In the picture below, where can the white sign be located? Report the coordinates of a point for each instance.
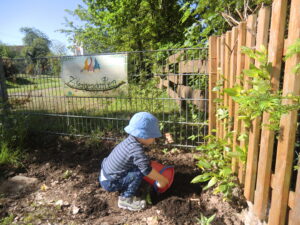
(94, 73)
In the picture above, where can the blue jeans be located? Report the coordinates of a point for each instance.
(127, 185)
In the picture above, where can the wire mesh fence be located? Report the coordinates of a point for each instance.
(172, 84)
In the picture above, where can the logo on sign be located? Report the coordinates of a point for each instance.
(95, 73)
(91, 65)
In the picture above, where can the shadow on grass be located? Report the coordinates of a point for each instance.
(20, 81)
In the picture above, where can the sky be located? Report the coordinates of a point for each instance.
(44, 15)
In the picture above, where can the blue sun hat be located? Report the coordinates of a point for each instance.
(143, 125)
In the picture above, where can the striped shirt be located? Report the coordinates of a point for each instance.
(126, 155)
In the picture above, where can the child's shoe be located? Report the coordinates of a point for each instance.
(131, 203)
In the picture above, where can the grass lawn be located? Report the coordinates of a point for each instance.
(22, 83)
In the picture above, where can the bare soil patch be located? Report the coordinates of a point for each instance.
(68, 191)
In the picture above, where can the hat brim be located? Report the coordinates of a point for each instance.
(140, 133)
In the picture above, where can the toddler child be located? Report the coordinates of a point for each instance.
(127, 164)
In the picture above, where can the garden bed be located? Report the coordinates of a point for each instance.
(67, 191)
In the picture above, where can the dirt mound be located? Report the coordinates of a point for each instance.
(93, 206)
(175, 206)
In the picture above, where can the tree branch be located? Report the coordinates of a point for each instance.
(230, 18)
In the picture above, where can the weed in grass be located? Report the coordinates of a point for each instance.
(9, 156)
(203, 220)
(7, 220)
(67, 174)
(165, 150)
(40, 215)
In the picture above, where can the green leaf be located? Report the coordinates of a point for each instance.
(222, 113)
(243, 137)
(248, 51)
(201, 178)
(186, 15)
(225, 172)
(203, 164)
(227, 149)
(211, 183)
(296, 69)
(233, 91)
(148, 198)
(210, 219)
(223, 188)
(216, 88)
(234, 154)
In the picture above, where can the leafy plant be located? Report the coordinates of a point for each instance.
(259, 97)
(292, 50)
(215, 163)
(13, 132)
(127, 25)
(203, 220)
(7, 220)
(143, 92)
(67, 174)
(165, 150)
(215, 17)
(8, 156)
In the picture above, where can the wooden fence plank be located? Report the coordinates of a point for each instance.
(294, 201)
(226, 76)
(240, 66)
(227, 65)
(250, 42)
(254, 134)
(212, 55)
(160, 85)
(185, 91)
(192, 66)
(198, 99)
(222, 69)
(174, 95)
(175, 58)
(288, 123)
(165, 83)
(218, 78)
(233, 68)
(175, 78)
(204, 68)
(276, 45)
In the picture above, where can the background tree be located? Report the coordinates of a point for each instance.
(124, 25)
(4, 50)
(37, 44)
(216, 17)
(7, 51)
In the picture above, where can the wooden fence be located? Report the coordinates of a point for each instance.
(270, 191)
(176, 80)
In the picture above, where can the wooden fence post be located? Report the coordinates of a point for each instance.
(212, 72)
(226, 76)
(288, 124)
(254, 134)
(275, 50)
(240, 66)
(218, 125)
(232, 71)
(294, 218)
(250, 42)
(222, 128)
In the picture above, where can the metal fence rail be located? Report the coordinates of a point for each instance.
(35, 89)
